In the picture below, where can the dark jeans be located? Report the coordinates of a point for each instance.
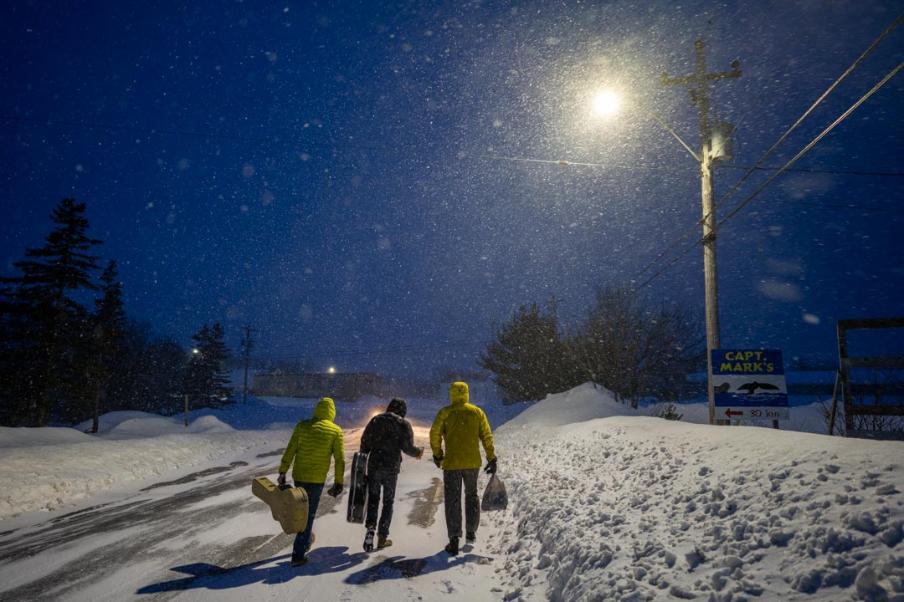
(301, 540)
(385, 481)
(452, 480)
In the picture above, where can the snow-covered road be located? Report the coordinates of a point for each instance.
(606, 503)
(202, 535)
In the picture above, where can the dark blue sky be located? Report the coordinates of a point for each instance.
(326, 172)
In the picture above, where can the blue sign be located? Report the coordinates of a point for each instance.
(749, 382)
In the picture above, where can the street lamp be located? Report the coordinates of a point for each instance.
(714, 146)
(195, 353)
(605, 103)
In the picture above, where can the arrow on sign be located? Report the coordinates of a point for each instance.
(729, 413)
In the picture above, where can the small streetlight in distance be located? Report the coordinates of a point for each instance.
(331, 370)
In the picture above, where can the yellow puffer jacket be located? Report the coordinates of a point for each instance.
(312, 444)
(461, 425)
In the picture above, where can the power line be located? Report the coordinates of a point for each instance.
(834, 172)
(685, 234)
(813, 142)
(780, 170)
(400, 350)
(817, 170)
(810, 110)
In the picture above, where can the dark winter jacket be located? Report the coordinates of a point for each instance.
(386, 436)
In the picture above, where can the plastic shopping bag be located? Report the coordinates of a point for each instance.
(494, 496)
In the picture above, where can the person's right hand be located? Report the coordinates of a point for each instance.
(438, 460)
(420, 453)
(282, 479)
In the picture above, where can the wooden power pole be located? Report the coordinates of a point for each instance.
(698, 83)
(247, 344)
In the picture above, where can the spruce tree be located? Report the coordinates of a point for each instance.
(528, 357)
(45, 327)
(106, 347)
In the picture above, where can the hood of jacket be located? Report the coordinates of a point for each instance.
(325, 410)
(397, 406)
(458, 393)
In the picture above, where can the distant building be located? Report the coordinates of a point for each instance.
(342, 385)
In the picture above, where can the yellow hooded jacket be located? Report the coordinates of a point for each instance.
(312, 444)
(461, 425)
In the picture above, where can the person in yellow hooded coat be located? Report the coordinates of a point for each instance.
(314, 442)
(461, 426)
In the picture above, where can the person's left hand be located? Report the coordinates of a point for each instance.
(420, 453)
(438, 460)
(335, 490)
(282, 479)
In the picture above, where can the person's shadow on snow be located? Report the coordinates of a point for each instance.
(399, 567)
(209, 576)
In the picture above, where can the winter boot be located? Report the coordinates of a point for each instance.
(471, 537)
(299, 560)
(383, 542)
(452, 546)
(310, 542)
(369, 541)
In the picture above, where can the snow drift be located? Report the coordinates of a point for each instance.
(632, 508)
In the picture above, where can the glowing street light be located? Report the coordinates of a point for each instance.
(605, 103)
(331, 370)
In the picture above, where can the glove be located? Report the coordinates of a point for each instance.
(335, 490)
(420, 453)
(490, 467)
(438, 460)
(282, 479)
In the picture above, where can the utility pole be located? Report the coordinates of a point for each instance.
(698, 84)
(247, 344)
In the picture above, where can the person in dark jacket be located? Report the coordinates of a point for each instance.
(386, 436)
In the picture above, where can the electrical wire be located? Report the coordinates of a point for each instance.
(735, 210)
(807, 113)
(400, 350)
(682, 237)
(813, 142)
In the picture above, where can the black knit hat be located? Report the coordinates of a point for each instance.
(397, 406)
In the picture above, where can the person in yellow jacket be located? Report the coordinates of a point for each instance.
(312, 444)
(460, 426)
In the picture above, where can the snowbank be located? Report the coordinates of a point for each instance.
(807, 418)
(48, 435)
(43, 469)
(580, 404)
(632, 508)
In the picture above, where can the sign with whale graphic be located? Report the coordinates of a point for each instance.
(749, 384)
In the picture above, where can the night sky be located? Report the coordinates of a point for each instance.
(329, 173)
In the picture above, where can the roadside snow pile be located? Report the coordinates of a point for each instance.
(110, 420)
(636, 508)
(807, 418)
(209, 425)
(47, 435)
(582, 403)
(69, 465)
